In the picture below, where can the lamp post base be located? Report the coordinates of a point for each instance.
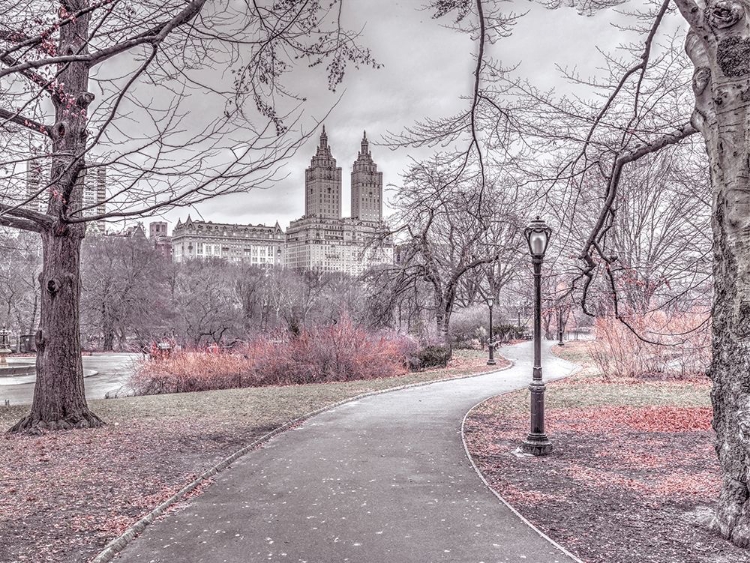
(537, 444)
(491, 362)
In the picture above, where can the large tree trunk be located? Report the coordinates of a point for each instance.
(443, 320)
(718, 46)
(59, 400)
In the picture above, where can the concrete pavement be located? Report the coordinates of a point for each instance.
(382, 479)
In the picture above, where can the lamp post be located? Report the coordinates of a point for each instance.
(537, 235)
(4, 344)
(491, 346)
(560, 326)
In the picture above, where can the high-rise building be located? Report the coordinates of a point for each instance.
(323, 183)
(35, 197)
(35, 181)
(336, 245)
(322, 239)
(94, 197)
(94, 181)
(367, 186)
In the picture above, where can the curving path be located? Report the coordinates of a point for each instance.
(104, 372)
(383, 479)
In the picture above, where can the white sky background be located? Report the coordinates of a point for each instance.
(426, 69)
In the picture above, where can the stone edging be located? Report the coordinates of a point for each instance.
(118, 544)
(576, 369)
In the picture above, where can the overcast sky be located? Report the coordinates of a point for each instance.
(426, 69)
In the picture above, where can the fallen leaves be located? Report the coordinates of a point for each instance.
(632, 461)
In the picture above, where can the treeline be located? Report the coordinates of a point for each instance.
(132, 295)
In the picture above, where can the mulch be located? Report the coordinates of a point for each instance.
(623, 484)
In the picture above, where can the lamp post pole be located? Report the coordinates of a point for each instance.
(491, 346)
(560, 327)
(537, 443)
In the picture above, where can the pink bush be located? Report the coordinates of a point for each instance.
(340, 352)
(682, 349)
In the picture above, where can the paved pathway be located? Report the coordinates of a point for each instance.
(112, 371)
(380, 480)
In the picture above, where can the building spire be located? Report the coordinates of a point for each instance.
(365, 149)
(323, 138)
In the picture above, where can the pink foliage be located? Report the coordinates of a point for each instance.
(340, 352)
(680, 345)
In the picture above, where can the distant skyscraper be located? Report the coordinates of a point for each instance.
(35, 181)
(322, 239)
(95, 193)
(323, 183)
(367, 186)
(37, 176)
(93, 178)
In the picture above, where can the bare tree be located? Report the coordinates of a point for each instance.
(19, 285)
(157, 145)
(123, 291)
(205, 303)
(637, 111)
(450, 229)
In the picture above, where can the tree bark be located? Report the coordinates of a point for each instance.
(718, 45)
(59, 400)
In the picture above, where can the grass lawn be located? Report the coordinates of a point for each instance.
(633, 472)
(65, 495)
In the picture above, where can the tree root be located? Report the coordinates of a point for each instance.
(33, 425)
(732, 517)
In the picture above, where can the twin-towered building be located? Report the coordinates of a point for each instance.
(321, 239)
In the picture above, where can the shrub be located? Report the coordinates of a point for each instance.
(469, 325)
(507, 332)
(340, 352)
(434, 356)
(683, 349)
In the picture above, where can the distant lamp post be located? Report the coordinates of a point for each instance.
(536, 443)
(491, 345)
(560, 327)
(4, 344)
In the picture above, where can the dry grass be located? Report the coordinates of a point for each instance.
(321, 354)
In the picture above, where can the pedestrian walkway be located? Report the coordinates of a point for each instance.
(380, 480)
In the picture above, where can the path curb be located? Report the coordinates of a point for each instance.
(118, 544)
